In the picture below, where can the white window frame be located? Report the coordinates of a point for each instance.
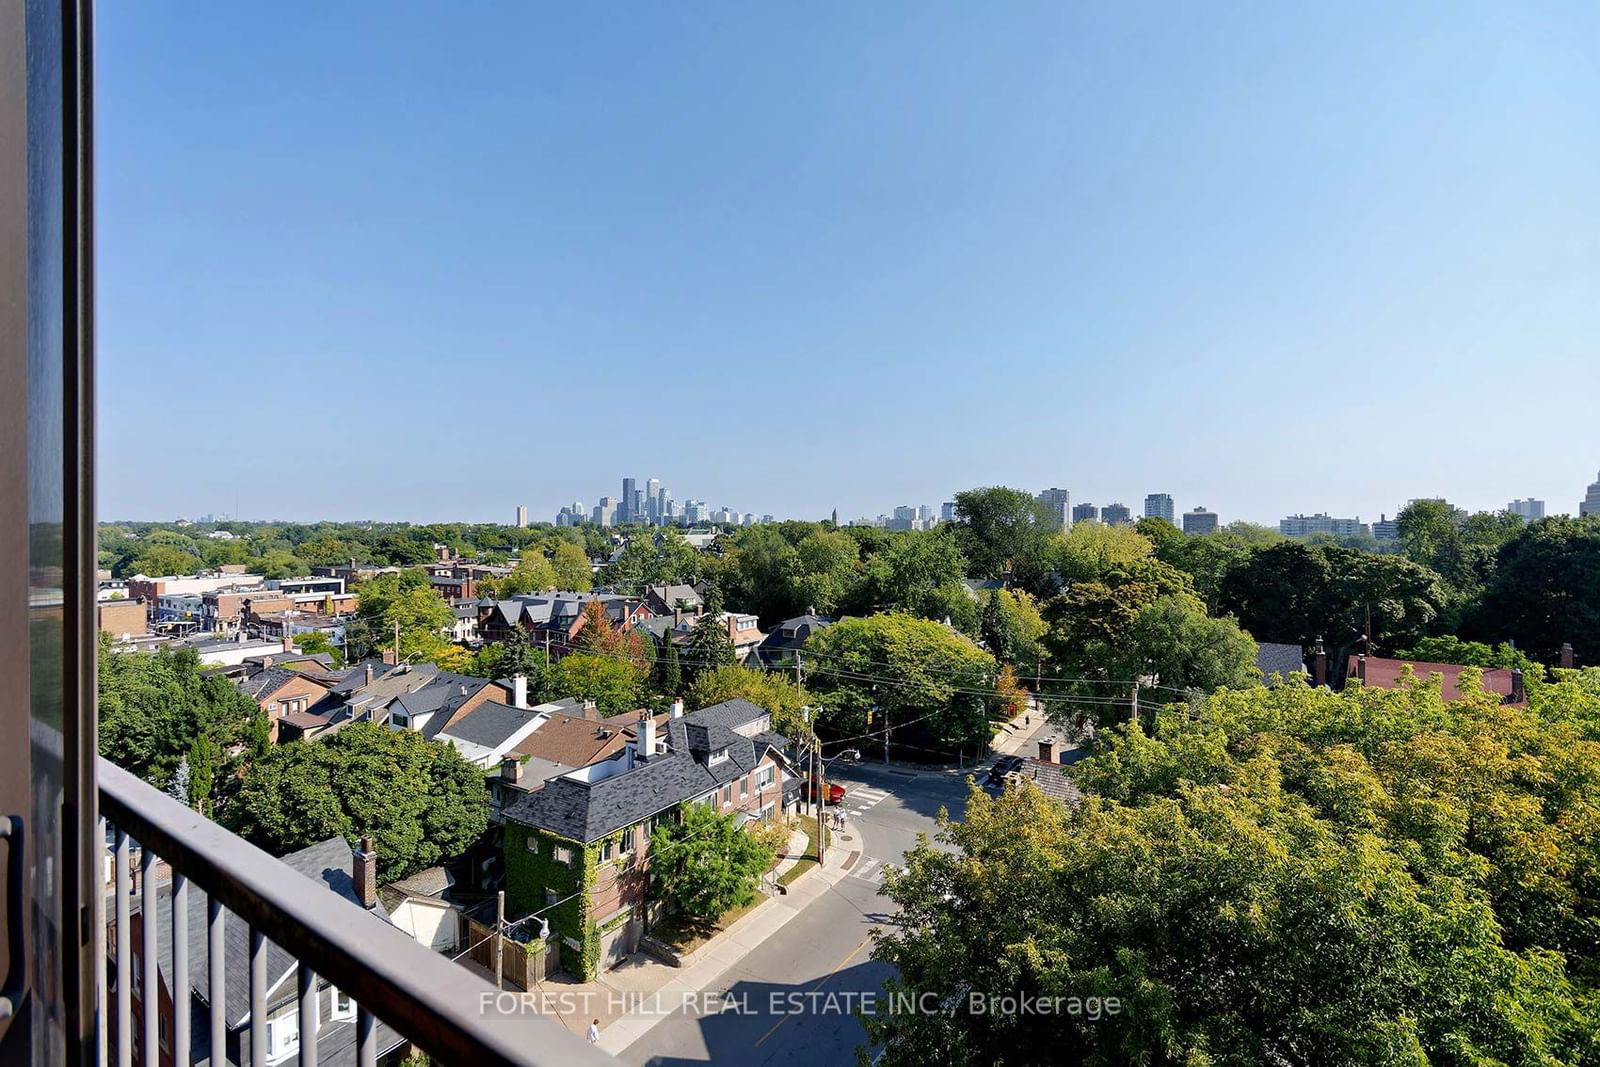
(719, 756)
(283, 1034)
(766, 774)
(562, 855)
(341, 1005)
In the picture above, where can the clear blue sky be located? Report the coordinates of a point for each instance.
(429, 261)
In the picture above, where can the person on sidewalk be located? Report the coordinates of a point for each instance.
(594, 1032)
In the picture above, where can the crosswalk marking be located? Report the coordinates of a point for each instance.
(869, 870)
(861, 798)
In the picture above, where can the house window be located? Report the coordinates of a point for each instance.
(399, 718)
(344, 1005)
(533, 845)
(744, 788)
(562, 855)
(283, 1034)
(769, 811)
(551, 897)
(719, 756)
(765, 775)
(727, 794)
(607, 850)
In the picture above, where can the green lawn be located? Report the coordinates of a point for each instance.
(808, 823)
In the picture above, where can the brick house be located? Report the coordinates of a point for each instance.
(580, 844)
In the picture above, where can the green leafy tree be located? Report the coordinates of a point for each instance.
(917, 572)
(571, 566)
(668, 670)
(158, 560)
(770, 690)
(706, 863)
(935, 686)
(156, 708)
(709, 645)
(1001, 531)
(613, 684)
(421, 802)
(532, 574)
(1184, 648)
(1543, 590)
(317, 643)
(1295, 592)
(1284, 875)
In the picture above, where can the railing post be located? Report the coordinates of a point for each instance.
(149, 957)
(101, 1007)
(258, 998)
(308, 1015)
(216, 979)
(124, 956)
(181, 997)
(366, 1038)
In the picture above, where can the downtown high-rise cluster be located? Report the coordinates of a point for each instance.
(652, 504)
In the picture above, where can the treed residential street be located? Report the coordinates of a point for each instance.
(818, 966)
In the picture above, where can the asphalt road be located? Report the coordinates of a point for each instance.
(792, 1000)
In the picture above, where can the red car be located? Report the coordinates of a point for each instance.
(835, 792)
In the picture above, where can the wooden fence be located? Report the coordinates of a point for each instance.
(522, 965)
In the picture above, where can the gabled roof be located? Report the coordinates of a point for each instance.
(1386, 674)
(490, 724)
(584, 810)
(263, 684)
(574, 741)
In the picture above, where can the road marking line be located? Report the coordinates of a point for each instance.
(842, 965)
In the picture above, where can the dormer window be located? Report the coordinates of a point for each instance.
(719, 756)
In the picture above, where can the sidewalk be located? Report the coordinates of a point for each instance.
(1017, 735)
(654, 990)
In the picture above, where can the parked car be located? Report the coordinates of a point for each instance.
(1002, 767)
(835, 792)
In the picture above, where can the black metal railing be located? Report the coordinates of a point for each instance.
(443, 1009)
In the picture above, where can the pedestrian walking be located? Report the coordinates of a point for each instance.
(594, 1032)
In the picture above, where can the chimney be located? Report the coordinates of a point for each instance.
(677, 708)
(369, 675)
(511, 769)
(1047, 749)
(1519, 689)
(389, 657)
(1566, 655)
(590, 711)
(288, 640)
(677, 617)
(1319, 664)
(647, 733)
(366, 874)
(519, 691)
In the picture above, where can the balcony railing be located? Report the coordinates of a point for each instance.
(439, 1006)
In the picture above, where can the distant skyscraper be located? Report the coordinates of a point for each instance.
(904, 518)
(1057, 502)
(605, 512)
(947, 512)
(1591, 502)
(652, 503)
(636, 510)
(1531, 510)
(626, 502)
(836, 517)
(1199, 521)
(522, 516)
(663, 503)
(1158, 506)
(1116, 515)
(1386, 529)
(1085, 513)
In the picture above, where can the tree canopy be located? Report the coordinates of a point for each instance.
(421, 802)
(706, 863)
(1287, 875)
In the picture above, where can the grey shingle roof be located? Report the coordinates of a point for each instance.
(491, 724)
(1051, 779)
(1279, 659)
(587, 811)
(263, 684)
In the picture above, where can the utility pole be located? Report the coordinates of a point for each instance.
(1136, 700)
(822, 804)
(499, 935)
(397, 640)
(885, 713)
